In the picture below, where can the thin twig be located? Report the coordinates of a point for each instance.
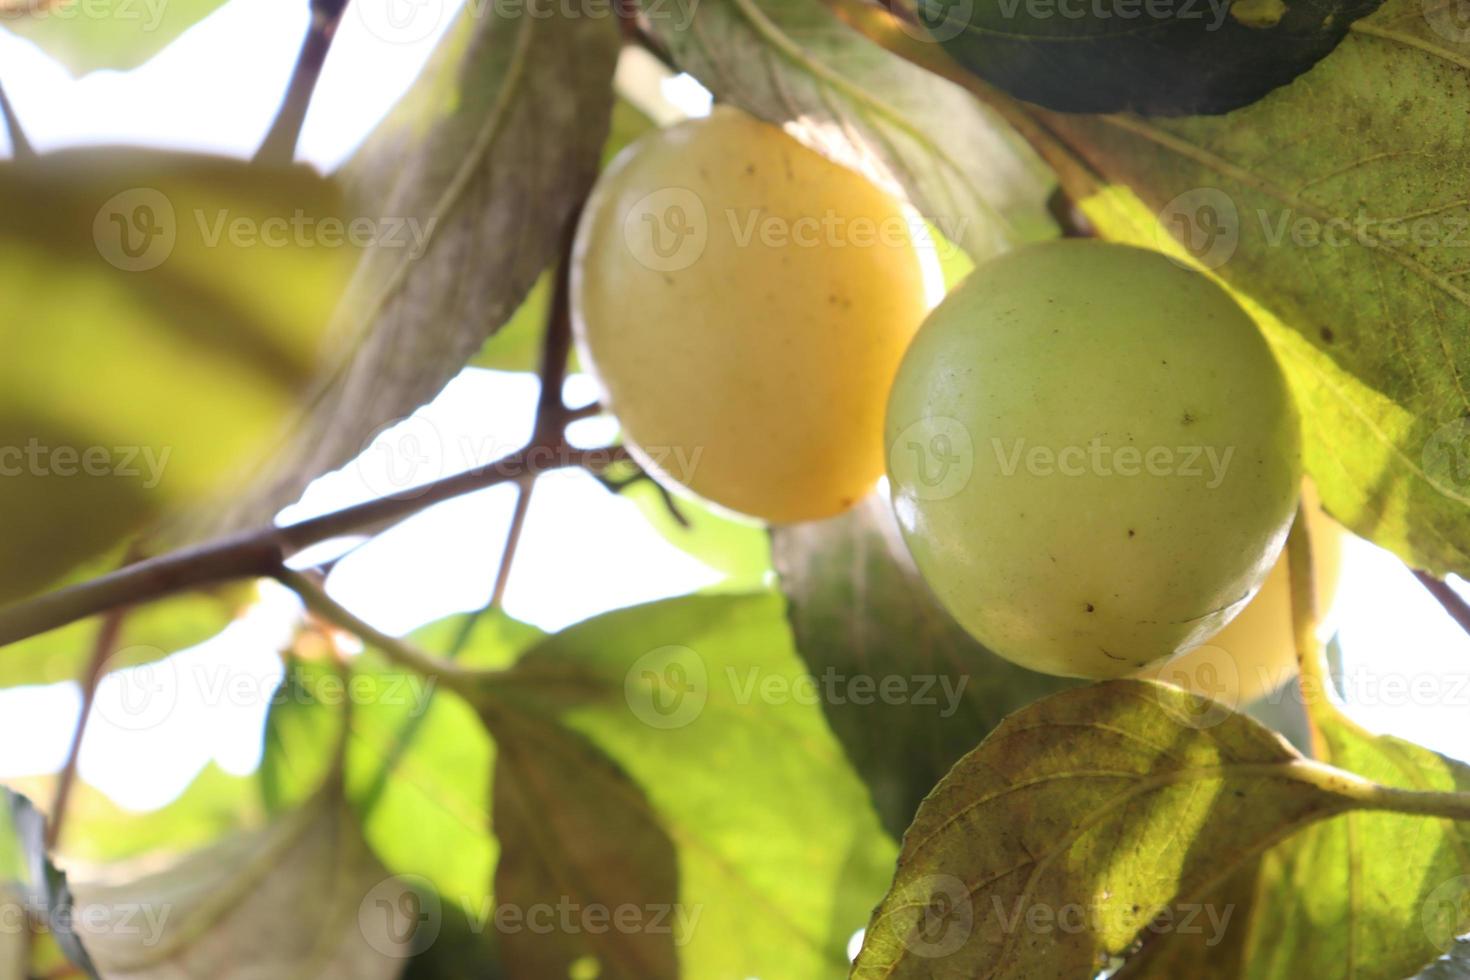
(585, 412)
(261, 553)
(20, 147)
(399, 651)
(108, 632)
(617, 486)
(1452, 601)
(279, 146)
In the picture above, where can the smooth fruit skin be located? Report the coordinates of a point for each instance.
(745, 304)
(1094, 457)
(1255, 655)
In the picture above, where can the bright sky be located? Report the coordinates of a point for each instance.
(584, 551)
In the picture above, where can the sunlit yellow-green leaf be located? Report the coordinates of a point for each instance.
(159, 316)
(86, 35)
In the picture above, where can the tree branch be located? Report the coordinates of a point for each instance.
(1452, 601)
(102, 649)
(262, 552)
(279, 146)
(401, 652)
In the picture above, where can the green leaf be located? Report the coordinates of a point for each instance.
(1081, 821)
(34, 894)
(666, 760)
(489, 155)
(1363, 895)
(87, 36)
(1154, 59)
(906, 690)
(149, 633)
(793, 62)
(301, 899)
(1308, 204)
(159, 315)
(418, 762)
(99, 831)
(1367, 895)
(733, 545)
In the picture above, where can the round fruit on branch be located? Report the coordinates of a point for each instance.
(745, 304)
(1094, 457)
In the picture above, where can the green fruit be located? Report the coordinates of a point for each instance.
(1093, 456)
(745, 304)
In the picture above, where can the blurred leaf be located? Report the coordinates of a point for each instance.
(793, 62)
(663, 764)
(489, 155)
(1160, 59)
(159, 315)
(87, 35)
(517, 345)
(906, 690)
(149, 633)
(100, 831)
(1082, 820)
(295, 900)
(1307, 203)
(32, 885)
(418, 763)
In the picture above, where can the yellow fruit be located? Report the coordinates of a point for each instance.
(1093, 455)
(745, 304)
(1256, 654)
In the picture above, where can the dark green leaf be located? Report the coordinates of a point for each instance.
(906, 690)
(1159, 58)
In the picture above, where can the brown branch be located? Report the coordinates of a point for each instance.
(400, 652)
(279, 145)
(103, 647)
(261, 553)
(1452, 601)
